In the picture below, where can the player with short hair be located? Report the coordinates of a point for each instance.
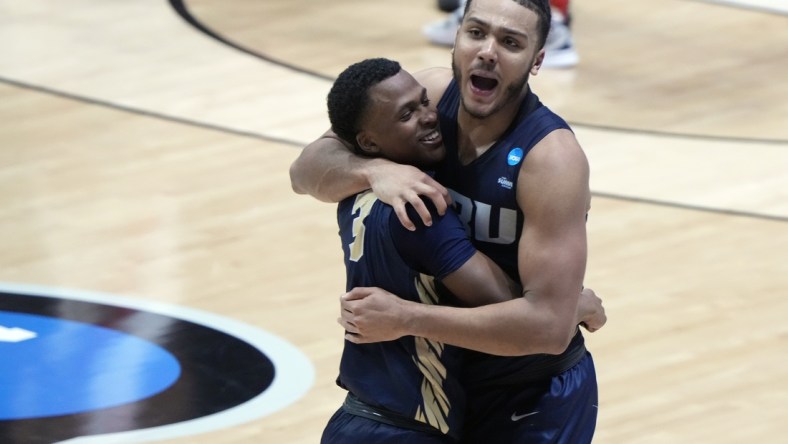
(530, 220)
(408, 389)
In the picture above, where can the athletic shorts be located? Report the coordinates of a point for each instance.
(347, 428)
(559, 410)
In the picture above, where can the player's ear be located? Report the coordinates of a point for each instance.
(537, 62)
(367, 143)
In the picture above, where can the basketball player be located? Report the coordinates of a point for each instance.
(406, 390)
(520, 182)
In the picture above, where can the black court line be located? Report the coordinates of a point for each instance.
(664, 203)
(249, 134)
(143, 112)
(183, 11)
(689, 136)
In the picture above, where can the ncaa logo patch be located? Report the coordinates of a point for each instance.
(83, 367)
(515, 156)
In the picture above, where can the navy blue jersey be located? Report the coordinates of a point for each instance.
(485, 196)
(413, 377)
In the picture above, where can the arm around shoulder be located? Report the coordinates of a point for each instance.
(435, 80)
(328, 170)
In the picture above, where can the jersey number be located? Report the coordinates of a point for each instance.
(362, 205)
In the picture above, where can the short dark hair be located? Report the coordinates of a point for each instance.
(542, 10)
(349, 95)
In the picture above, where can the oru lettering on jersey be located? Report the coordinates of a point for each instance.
(477, 218)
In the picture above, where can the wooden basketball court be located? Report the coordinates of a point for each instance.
(144, 158)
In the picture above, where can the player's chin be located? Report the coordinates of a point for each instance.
(434, 152)
(432, 159)
(481, 109)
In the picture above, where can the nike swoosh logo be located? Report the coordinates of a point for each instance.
(516, 417)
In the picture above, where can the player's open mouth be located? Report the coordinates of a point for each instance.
(483, 84)
(434, 136)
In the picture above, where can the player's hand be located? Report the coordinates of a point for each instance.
(399, 185)
(371, 314)
(590, 310)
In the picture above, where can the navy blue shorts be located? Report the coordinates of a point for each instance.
(560, 410)
(346, 428)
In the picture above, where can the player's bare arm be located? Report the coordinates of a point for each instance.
(371, 314)
(510, 328)
(328, 170)
(435, 80)
(480, 281)
(553, 192)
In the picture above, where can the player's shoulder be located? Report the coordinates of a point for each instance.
(559, 148)
(435, 80)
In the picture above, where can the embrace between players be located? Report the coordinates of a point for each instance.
(462, 212)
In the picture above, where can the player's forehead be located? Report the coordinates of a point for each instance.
(506, 14)
(396, 91)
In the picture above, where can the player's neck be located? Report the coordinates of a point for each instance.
(477, 135)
